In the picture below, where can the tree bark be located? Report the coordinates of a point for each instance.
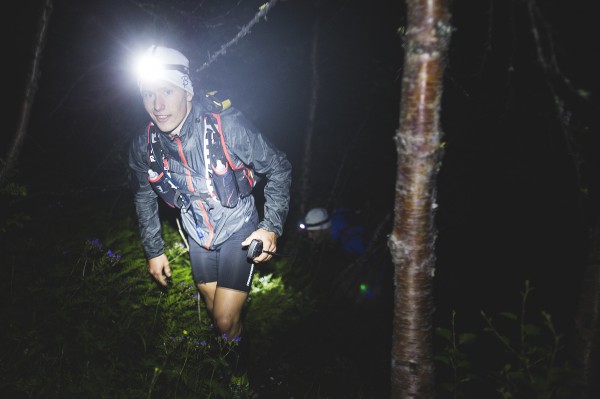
(310, 120)
(419, 149)
(30, 90)
(585, 343)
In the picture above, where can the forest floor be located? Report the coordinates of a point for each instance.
(342, 350)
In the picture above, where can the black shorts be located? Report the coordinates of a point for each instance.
(227, 265)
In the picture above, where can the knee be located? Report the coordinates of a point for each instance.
(227, 325)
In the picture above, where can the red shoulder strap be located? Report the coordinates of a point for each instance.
(219, 128)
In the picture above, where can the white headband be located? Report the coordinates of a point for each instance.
(169, 65)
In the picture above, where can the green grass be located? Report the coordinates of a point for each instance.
(82, 318)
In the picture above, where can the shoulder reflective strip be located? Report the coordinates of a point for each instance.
(150, 151)
(207, 178)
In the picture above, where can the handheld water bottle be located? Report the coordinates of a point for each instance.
(225, 183)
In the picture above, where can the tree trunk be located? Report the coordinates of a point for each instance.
(585, 343)
(418, 142)
(310, 122)
(26, 107)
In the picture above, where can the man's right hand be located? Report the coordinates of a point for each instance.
(159, 269)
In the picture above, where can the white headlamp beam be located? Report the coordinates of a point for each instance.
(149, 68)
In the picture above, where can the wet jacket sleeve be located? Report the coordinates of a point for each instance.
(145, 200)
(248, 144)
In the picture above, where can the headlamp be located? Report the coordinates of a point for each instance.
(304, 226)
(163, 64)
(148, 68)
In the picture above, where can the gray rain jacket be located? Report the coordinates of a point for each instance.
(246, 145)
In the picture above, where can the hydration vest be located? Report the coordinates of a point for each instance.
(229, 183)
(225, 183)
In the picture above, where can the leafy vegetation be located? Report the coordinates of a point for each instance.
(82, 318)
(523, 358)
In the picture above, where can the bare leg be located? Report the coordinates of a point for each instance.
(227, 311)
(225, 306)
(208, 293)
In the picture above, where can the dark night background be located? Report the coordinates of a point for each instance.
(513, 203)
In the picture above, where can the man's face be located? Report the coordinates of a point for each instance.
(167, 104)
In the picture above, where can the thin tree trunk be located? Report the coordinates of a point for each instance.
(418, 142)
(585, 343)
(30, 90)
(310, 123)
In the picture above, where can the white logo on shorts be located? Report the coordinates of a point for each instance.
(250, 275)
